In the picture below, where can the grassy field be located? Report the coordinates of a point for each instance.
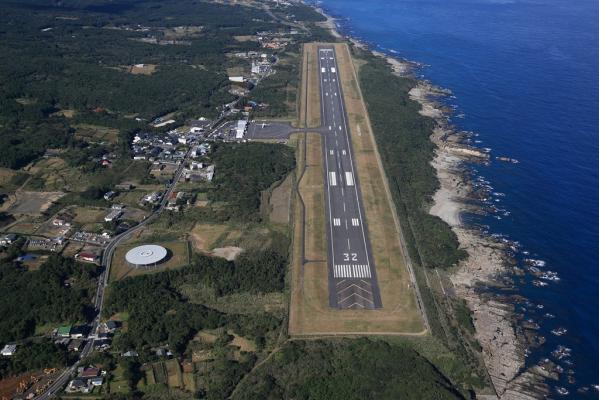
(276, 201)
(96, 133)
(54, 174)
(309, 312)
(89, 215)
(310, 112)
(120, 269)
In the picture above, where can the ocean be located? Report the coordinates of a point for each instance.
(525, 75)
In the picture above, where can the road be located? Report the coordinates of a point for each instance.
(65, 376)
(352, 275)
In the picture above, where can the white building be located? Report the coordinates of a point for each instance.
(113, 215)
(240, 129)
(9, 350)
(239, 79)
(8, 239)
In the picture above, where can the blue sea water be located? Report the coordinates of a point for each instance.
(526, 75)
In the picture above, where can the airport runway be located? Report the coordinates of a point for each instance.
(352, 274)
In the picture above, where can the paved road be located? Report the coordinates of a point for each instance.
(352, 274)
(66, 375)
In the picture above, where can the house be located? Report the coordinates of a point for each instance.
(90, 373)
(101, 344)
(163, 352)
(9, 350)
(8, 239)
(113, 215)
(239, 79)
(98, 381)
(59, 222)
(111, 326)
(88, 257)
(64, 331)
(78, 332)
(78, 385)
(131, 353)
(109, 195)
(75, 345)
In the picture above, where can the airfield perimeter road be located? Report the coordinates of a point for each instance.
(352, 275)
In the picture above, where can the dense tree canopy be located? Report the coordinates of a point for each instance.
(59, 292)
(406, 150)
(346, 370)
(243, 171)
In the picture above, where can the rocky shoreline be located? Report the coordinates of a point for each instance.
(488, 265)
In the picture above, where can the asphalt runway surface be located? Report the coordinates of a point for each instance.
(352, 274)
(351, 271)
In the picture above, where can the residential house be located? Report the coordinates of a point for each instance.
(9, 350)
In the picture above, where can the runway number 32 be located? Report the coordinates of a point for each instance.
(350, 257)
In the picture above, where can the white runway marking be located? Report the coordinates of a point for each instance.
(355, 222)
(343, 152)
(333, 178)
(351, 271)
(331, 152)
(349, 179)
(337, 221)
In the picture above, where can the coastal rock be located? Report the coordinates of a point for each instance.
(487, 263)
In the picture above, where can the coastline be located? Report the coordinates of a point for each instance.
(488, 265)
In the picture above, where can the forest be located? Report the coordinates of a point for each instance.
(346, 369)
(160, 314)
(73, 56)
(59, 292)
(406, 154)
(34, 356)
(243, 171)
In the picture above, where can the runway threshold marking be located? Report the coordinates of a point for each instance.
(333, 178)
(349, 179)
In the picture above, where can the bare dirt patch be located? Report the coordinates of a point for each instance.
(280, 201)
(203, 236)
(33, 203)
(244, 344)
(67, 113)
(228, 253)
(142, 69)
(244, 38)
